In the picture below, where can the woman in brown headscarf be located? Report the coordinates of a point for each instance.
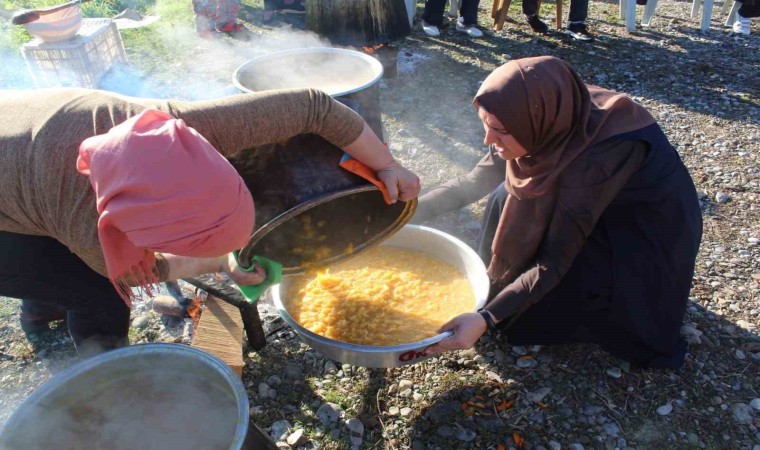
(594, 234)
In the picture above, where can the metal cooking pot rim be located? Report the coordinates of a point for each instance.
(246, 253)
(261, 58)
(82, 367)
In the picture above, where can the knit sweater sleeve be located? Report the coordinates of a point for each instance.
(244, 121)
(463, 190)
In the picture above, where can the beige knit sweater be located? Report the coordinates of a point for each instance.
(41, 192)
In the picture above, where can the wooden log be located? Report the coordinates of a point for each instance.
(220, 332)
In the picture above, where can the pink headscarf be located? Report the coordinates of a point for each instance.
(162, 187)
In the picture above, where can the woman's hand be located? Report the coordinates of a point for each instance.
(241, 277)
(402, 184)
(467, 330)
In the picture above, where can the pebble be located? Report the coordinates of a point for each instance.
(465, 434)
(738, 354)
(279, 430)
(742, 413)
(755, 404)
(297, 438)
(405, 384)
(538, 396)
(330, 367)
(554, 445)
(665, 409)
(355, 426)
(526, 363)
(519, 350)
(406, 411)
(611, 428)
(577, 446)
(417, 396)
(614, 372)
(328, 413)
(141, 321)
(293, 371)
(445, 431)
(722, 197)
(393, 410)
(263, 390)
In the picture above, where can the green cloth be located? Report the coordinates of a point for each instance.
(252, 292)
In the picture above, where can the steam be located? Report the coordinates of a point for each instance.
(205, 73)
(143, 401)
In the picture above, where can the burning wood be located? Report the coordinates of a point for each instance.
(388, 57)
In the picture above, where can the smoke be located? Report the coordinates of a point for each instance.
(176, 64)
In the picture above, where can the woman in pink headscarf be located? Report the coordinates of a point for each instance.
(101, 193)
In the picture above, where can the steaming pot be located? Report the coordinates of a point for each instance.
(309, 211)
(147, 396)
(427, 240)
(341, 73)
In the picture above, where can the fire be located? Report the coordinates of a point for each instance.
(193, 309)
(371, 50)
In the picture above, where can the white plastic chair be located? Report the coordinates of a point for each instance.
(454, 6)
(628, 13)
(731, 17)
(707, 7)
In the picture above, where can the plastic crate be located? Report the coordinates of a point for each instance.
(80, 61)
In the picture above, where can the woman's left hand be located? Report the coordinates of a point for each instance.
(467, 330)
(240, 276)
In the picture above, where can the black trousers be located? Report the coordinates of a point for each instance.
(749, 8)
(50, 280)
(433, 13)
(577, 309)
(578, 9)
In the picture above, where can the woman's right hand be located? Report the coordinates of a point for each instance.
(467, 328)
(402, 184)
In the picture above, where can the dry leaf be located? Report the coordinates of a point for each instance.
(519, 441)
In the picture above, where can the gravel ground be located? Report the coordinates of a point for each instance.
(703, 90)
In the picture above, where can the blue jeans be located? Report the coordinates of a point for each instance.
(50, 280)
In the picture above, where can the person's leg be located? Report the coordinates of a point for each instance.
(469, 12)
(43, 271)
(205, 13)
(748, 10)
(530, 9)
(576, 26)
(578, 11)
(36, 316)
(226, 14)
(433, 13)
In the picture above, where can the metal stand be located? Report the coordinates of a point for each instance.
(218, 287)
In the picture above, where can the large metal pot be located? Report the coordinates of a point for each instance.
(341, 73)
(428, 240)
(149, 396)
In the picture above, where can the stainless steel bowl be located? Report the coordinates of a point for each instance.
(428, 240)
(148, 396)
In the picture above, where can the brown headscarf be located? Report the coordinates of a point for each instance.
(546, 107)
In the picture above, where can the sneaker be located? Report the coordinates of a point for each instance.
(430, 30)
(579, 32)
(742, 25)
(471, 30)
(537, 25)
